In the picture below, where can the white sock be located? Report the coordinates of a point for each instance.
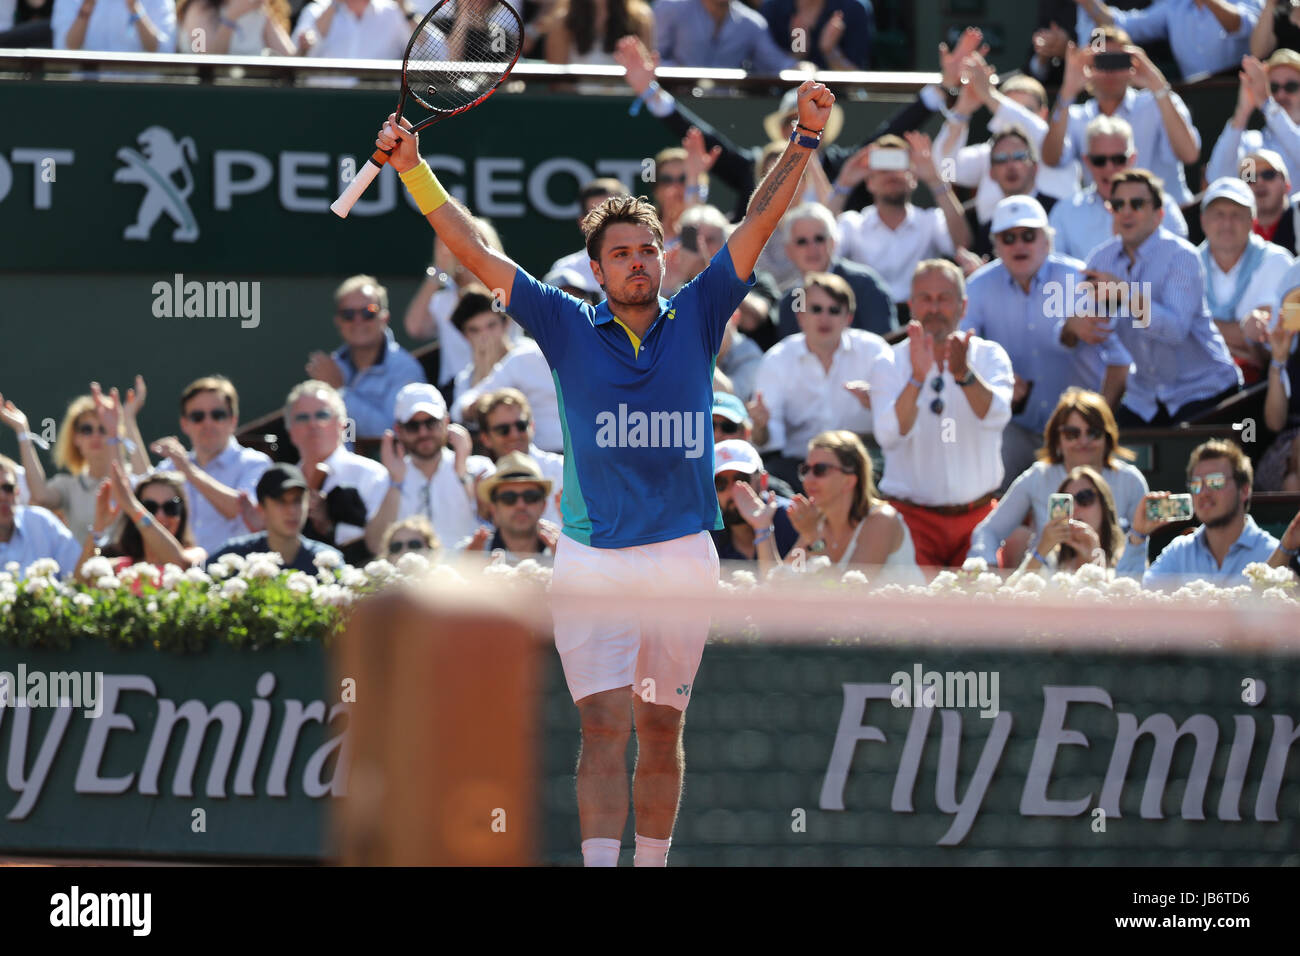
(651, 852)
(600, 851)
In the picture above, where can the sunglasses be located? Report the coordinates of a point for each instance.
(1265, 175)
(936, 383)
(91, 429)
(198, 417)
(723, 481)
(9, 488)
(504, 430)
(171, 508)
(531, 497)
(1101, 159)
(1290, 86)
(1086, 497)
(415, 544)
(805, 240)
(320, 415)
(827, 309)
(1019, 156)
(1073, 433)
(673, 180)
(351, 315)
(821, 469)
(420, 424)
(1137, 204)
(727, 426)
(1027, 236)
(1216, 481)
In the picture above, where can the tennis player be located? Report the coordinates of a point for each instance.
(634, 378)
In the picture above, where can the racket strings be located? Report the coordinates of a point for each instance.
(453, 61)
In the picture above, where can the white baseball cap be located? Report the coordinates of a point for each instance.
(1273, 158)
(736, 455)
(1018, 211)
(418, 397)
(1232, 189)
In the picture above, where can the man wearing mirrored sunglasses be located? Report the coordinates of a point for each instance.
(1147, 286)
(1273, 89)
(369, 368)
(1136, 92)
(1084, 222)
(221, 474)
(282, 503)
(515, 496)
(29, 532)
(1013, 301)
(1219, 479)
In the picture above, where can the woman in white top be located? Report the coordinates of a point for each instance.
(234, 27)
(841, 517)
(585, 31)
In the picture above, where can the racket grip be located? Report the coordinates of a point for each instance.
(364, 177)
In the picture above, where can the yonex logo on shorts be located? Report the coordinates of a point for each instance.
(691, 431)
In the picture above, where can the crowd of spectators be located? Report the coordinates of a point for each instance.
(925, 372)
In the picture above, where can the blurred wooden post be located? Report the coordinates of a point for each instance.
(443, 736)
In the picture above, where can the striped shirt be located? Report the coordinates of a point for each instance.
(1180, 357)
(1084, 223)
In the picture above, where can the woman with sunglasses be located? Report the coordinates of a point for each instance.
(96, 431)
(1091, 535)
(842, 517)
(413, 535)
(151, 522)
(1081, 431)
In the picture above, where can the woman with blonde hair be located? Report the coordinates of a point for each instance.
(841, 516)
(1081, 431)
(95, 433)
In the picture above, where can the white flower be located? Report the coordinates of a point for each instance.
(233, 562)
(1276, 596)
(13, 568)
(1127, 587)
(197, 576)
(379, 571)
(56, 602)
(300, 583)
(218, 571)
(1092, 574)
(83, 600)
(987, 582)
(261, 568)
(353, 577)
(819, 564)
(171, 597)
(744, 579)
(332, 595)
(974, 566)
(107, 582)
(273, 556)
(854, 579)
(234, 588)
(411, 563)
(171, 576)
(96, 568)
(1030, 584)
(37, 584)
(327, 561)
(1089, 594)
(944, 581)
(152, 607)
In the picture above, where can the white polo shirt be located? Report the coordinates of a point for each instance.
(951, 457)
(894, 253)
(380, 33)
(805, 399)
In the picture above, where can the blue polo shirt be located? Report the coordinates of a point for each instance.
(1189, 557)
(637, 417)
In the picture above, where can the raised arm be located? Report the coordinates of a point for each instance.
(451, 220)
(778, 187)
(1263, 40)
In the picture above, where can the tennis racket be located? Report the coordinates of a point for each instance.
(457, 57)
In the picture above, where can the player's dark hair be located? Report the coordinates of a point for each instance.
(636, 210)
(475, 300)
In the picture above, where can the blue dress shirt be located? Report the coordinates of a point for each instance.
(1179, 356)
(39, 534)
(1198, 41)
(1083, 223)
(371, 393)
(687, 35)
(1025, 324)
(1189, 557)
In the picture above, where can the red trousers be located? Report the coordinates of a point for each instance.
(941, 540)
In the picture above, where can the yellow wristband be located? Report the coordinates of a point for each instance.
(424, 188)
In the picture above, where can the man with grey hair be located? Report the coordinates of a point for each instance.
(1083, 222)
(369, 368)
(1013, 301)
(344, 490)
(810, 233)
(702, 231)
(942, 432)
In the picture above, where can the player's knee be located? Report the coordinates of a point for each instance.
(659, 725)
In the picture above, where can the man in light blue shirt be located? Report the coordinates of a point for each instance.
(719, 34)
(1219, 477)
(28, 533)
(370, 368)
(1272, 88)
(1016, 301)
(1147, 286)
(1083, 222)
(1206, 36)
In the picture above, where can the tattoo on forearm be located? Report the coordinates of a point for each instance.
(773, 183)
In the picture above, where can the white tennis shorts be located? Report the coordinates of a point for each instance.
(657, 658)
